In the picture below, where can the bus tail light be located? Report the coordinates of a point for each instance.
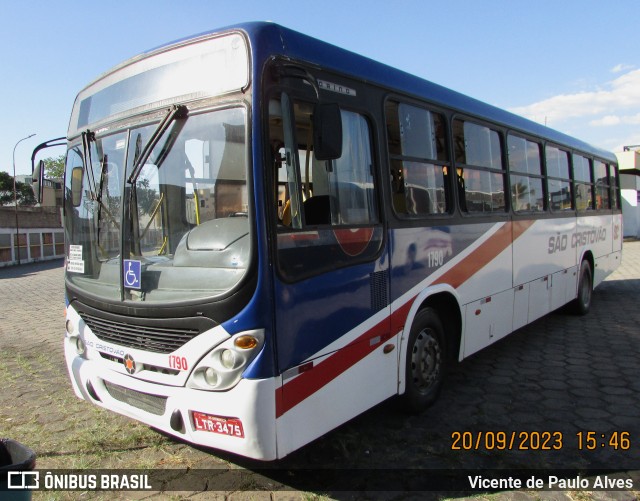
(222, 367)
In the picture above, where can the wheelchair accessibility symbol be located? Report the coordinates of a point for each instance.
(132, 272)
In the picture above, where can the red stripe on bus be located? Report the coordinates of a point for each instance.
(306, 384)
(399, 317)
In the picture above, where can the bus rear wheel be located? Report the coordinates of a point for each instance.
(582, 303)
(426, 361)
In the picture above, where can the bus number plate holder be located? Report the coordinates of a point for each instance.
(218, 424)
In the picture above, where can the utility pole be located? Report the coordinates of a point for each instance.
(15, 198)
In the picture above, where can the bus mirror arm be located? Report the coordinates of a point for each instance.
(327, 121)
(327, 131)
(38, 170)
(294, 71)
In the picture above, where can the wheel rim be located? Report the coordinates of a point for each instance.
(426, 360)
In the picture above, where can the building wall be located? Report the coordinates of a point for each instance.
(629, 188)
(40, 237)
(630, 208)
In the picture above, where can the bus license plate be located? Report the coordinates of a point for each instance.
(217, 424)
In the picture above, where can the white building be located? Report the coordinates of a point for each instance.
(629, 162)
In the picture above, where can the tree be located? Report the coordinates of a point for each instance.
(147, 197)
(54, 167)
(24, 193)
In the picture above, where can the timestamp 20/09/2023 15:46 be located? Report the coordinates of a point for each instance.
(539, 440)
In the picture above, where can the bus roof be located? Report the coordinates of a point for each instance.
(269, 39)
(299, 46)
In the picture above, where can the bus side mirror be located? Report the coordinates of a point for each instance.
(37, 181)
(76, 186)
(327, 131)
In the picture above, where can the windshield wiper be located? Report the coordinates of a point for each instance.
(95, 193)
(87, 138)
(175, 112)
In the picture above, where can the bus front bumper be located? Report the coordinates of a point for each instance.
(240, 420)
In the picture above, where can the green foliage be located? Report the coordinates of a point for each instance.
(147, 197)
(54, 167)
(24, 193)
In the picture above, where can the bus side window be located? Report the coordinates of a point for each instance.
(615, 187)
(558, 179)
(278, 159)
(419, 160)
(351, 193)
(601, 178)
(525, 166)
(336, 192)
(478, 149)
(582, 182)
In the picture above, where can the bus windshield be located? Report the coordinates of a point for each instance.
(182, 225)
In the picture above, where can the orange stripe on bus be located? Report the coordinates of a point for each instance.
(307, 383)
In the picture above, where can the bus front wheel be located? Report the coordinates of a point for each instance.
(426, 361)
(582, 303)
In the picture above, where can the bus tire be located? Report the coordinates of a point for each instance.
(582, 303)
(426, 361)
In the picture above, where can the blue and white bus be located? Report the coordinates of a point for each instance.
(267, 235)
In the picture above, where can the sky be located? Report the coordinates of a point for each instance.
(572, 64)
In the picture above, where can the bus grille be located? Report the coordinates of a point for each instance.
(144, 401)
(155, 339)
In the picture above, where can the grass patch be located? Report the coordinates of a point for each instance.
(64, 431)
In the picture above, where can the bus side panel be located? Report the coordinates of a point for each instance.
(473, 259)
(492, 278)
(324, 313)
(364, 384)
(336, 353)
(595, 234)
(608, 263)
(421, 257)
(488, 320)
(544, 268)
(616, 242)
(564, 286)
(543, 250)
(617, 233)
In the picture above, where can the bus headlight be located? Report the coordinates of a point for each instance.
(80, 346)
(222, 367)
(73, 337)
(77, 344)
(211, 376)
(228, 359)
